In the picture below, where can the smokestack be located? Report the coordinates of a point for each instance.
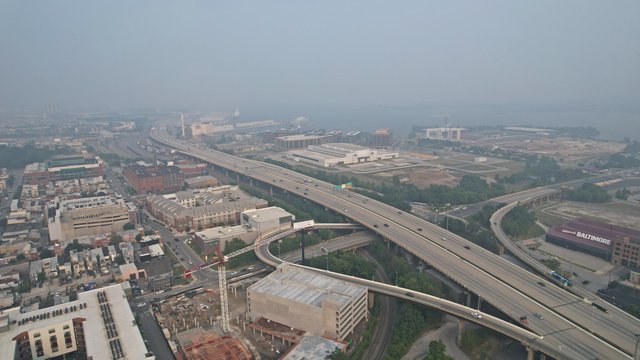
(182, 122)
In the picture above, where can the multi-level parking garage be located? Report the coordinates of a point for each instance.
(570, 323)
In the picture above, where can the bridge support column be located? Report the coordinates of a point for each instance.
(531, 353)
(479, 302)
(543, 356)
(468, 299)
(271, 190)
(251, 182)
(500, 250)
(460, 332)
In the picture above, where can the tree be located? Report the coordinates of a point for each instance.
(623, 194)
(119, 259)
(589, 193)
(74, 246)
(138, 237)
(128, 226)
(46, 253)
(41, 276)
(20, 257)
(437, 351)
(115, 239)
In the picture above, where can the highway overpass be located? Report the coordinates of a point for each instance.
(570, 323)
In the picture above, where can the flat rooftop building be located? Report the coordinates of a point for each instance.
(308, 301)
(268, 219)
(89, 216)
(208, 239)
(99, 325)
(328, 155)
(618, 244)
(204, 209)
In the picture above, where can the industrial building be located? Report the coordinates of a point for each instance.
(441, 133)
(329, 155)
(615, 243)
(150, 179)
(381, 138)
(308, 301)
(63, 168)
(202, 209)
(302, 141)
(208, 239)
(268, 220)
(98, 326)
(89, 216)
(200, 182)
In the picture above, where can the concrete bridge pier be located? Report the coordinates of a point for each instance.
(479, 302)
(460, 332)
(531, 353)
(469, 295)
(271, 190)
(251, 182)
(543, 356)
(238, 177)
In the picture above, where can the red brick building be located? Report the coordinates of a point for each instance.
(154, 178)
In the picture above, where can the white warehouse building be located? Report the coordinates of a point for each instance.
(329, 155)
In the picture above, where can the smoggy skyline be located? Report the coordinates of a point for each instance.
(222, 55)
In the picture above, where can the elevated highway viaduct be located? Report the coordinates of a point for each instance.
(570, 323)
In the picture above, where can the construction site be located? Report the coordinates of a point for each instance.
(192, 324)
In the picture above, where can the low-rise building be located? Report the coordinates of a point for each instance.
(212, 208)
(159, 273)
(268, 220)
(301, 141)
(63, 168)
(200, 182)
(152, 179)
(207, 240)
(329, 155)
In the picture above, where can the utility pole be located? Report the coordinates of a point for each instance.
(302, 245)
(326, 254)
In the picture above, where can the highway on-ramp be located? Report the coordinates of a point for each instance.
(570, 323)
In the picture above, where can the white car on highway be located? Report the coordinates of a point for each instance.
(476, 315)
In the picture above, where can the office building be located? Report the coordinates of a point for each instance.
(89, 216)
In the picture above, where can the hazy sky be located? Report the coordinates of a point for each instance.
(223, 54)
